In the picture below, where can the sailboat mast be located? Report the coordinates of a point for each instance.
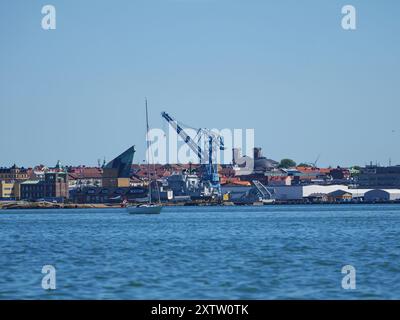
(148, 151)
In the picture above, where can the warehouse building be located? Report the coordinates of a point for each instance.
(382, 195)
(288, 193)
(299, 192)
(339, 196)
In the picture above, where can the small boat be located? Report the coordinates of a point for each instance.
(149, 207)
(268, 201)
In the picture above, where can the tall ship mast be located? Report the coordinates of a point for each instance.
(148, 208)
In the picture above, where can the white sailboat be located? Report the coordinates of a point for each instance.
(149, 207)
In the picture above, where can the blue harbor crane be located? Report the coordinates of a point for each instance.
(207, 155)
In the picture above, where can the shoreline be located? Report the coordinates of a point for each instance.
(49, 205)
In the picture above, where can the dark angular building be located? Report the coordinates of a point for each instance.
(117, 172)
(115, 183)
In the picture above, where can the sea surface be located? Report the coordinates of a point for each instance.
(270, 252)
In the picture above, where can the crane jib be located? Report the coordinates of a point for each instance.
(211, 175)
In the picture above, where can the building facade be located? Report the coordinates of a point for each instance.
(9, 190)
(85, 177)
(382, 195)
(379, 177)
(54, 186)
(14, 174)
(117, 172)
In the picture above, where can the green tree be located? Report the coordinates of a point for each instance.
(355, 171)
(287, 163)
(303, 164)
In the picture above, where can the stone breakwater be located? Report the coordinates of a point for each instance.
(50, 205)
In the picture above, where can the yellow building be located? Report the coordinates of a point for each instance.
(340, 196)
(111, 179)
(9, 190)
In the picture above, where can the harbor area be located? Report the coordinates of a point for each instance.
(121, 182)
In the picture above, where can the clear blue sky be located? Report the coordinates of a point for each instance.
(285, 68)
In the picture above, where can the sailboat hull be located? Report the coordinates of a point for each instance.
(144, 209)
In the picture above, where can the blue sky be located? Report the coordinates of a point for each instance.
(285, 68)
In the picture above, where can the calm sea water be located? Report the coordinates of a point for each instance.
(271, 252)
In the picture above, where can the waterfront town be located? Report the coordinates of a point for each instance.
(270, 182)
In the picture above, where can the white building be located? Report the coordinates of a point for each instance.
(358, 193)
(320, 189)
(300, 192)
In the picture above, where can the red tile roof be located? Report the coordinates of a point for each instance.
(86, 173)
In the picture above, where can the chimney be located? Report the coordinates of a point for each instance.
(257, 153)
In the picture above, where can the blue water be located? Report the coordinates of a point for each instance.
(271, 252)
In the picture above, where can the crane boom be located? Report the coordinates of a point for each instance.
(214, 141)
(188, 140)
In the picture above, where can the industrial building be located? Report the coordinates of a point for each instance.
(376, 177)
(299, 192)
(240, 194)
(382, 195)
(295, 193)
(339, 196)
